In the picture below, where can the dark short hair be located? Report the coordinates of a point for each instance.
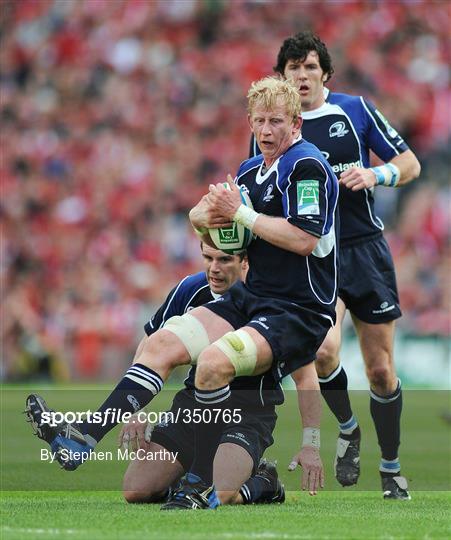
(242, 254)
(297, 48)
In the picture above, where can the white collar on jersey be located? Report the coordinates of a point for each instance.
(308, 115)
(215, 295)
(261, 177)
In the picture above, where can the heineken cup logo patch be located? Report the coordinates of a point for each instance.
(391, 131)
(228, 235)
(308, 197)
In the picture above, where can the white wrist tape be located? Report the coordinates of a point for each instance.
(311, 437)
(201, 231)
(246, 216)
(387, 175)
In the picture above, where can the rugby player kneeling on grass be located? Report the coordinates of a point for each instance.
(242, 444)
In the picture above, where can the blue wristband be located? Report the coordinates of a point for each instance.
(386, 175)
(380, 177)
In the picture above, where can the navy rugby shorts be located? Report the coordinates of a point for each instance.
(253, 432)
(293, 333)
(368, 281)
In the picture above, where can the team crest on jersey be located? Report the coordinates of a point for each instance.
(308, 197)
(268, 196)
(338, 129)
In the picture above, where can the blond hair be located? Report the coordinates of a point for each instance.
(267, 91)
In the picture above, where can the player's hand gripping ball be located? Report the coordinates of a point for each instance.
(234, 239)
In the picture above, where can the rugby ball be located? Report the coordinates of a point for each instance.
(234, 239)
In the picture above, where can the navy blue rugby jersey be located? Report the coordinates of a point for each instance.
(345, 129)
(300, 186)
(191, 292)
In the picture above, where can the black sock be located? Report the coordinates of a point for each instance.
(138, 386)
(386, 414)
(256, 489)
(334, 389)
(208, 432)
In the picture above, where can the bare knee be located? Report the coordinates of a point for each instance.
(376, 343)
(229, 497)
(382, 376)
(214, 369)
(138, 487)
(133, 489)
(379, 365)
(135, 497)
(141, 497)
(327, 357)
(163, 351)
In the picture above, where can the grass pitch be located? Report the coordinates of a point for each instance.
(41, 501)
(103, 515)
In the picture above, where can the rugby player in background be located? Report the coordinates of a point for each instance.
(346, 128)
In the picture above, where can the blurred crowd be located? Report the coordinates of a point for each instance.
(117, 114)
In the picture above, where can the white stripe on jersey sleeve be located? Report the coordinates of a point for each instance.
(377, 127)
(325, 244)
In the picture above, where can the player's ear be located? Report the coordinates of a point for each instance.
(249, 121)
(297, 123)
(244, 268)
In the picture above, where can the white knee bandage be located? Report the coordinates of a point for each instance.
(240, 349)
(191, 333)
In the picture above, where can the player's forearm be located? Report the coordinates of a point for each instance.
(408, 165)
(280, 233)
(309, 395)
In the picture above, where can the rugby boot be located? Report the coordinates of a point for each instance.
(66, 442)
(276, 490)
(395, 487)
(347, 461)
(192, 494)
